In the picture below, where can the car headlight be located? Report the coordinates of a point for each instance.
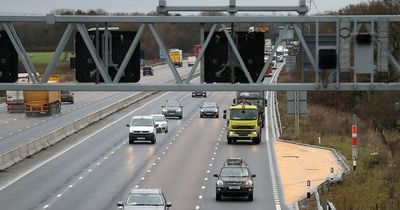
(179, 110)
(254, 132)
(231, 133)
(216, 110)
(164, 110)
(220, 183)
(201, 110)
(249, 183)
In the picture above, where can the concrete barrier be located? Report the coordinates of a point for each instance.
(15, 155)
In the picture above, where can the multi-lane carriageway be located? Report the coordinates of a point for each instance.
(99, 168)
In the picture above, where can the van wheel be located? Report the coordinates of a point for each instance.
(154, 140)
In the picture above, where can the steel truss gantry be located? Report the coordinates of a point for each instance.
(78, 23)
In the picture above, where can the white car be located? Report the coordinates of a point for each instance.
(161, 123)
(142, 128)
(191, 60)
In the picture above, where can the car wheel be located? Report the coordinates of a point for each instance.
(131, 141)
(201, 116)
(166, 131)
(229, 141)
(217, 116)
(153, 141)
(218, 196)
(251, 197)
(180, 117)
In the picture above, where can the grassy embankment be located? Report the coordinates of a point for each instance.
(375, 184)
(41, 59)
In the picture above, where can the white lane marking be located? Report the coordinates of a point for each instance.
(76, 144)
(46, 206)
(271, 165)
(59, 195)
(203, 187)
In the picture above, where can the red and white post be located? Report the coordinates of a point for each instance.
(354, 134)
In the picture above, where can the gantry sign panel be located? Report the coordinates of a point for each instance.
(118, 47)
(217, 68)
(8, 60)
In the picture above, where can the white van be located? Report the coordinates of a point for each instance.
(142, 128)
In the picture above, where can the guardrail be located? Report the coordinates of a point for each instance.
(15, 155)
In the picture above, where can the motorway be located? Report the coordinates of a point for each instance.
(17, 129)
(101, 167)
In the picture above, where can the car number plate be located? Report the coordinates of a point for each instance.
(140, 138)
(234, 187)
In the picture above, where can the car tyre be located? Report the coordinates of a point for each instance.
(218, 196)
(250, 197)
(180, 117)
(217, 116)
(229, 141)
(131, 141)
(153, 141)
(201, 116)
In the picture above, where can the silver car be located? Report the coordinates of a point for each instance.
(149, 199)
(161, 123)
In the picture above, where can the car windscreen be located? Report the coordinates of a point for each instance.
(209, 105)
(234, 172)
(141, 122)
(172, 104)
(159, 118)
(144, 200)
(243, 114)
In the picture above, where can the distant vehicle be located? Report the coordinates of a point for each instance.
(234, 179)
(145, 199)
(197, 49)
(176, 56)
(161, 123)
(199, 93)
(67, 96)
(172, 109)
(191, 60)
(268, 70)
(42, 101)
(147, 70)
(209, 109)
(279, 54)
(142, 128)
(15, 98)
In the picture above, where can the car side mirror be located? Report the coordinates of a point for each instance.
(253, 175)
(216, 175)
(224, 116)
(224, 111)
(169, 204)
(119, 203)
(155, 125)
(127, 125)
(162, 106)
(234, 101)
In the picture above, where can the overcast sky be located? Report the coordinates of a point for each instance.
(129, 6)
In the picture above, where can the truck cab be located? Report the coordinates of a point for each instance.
(256, 98)
(243, 123)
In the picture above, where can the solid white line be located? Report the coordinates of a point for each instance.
(76, 144)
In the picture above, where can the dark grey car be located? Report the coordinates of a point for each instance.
(172, 109)
(209, 109)
(234, 179)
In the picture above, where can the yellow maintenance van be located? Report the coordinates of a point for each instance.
(176, 57)
(42, 101)
(243, 123)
